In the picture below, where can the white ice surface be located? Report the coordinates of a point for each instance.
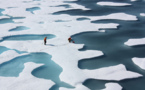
(134, 0)
(139, 62)
(117, 73)
(112, 86)
(118, 16)
(78, 87)
(134, 42)
(112, 4)
(25, 81)
(142, 14)
(63, 53)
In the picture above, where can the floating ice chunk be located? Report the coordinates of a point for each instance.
(139, 62)
(134, 0)
(119, 16)
(112, 4)
(102, 30)
(117, 73)
(25, 81)
(78, 87)
(142, 14)
(112, 86)
(134, 42)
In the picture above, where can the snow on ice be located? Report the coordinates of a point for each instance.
(63, 53)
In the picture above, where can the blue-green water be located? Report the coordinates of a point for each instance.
(3, 49)
(16, 65)
(19, 28)
(9, 20)
(50, 70)
(6, 20)
(32, 9)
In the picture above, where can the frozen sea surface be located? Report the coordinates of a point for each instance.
(99, 29)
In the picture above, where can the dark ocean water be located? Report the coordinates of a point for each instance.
(112, 41)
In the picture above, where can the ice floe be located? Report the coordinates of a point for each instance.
(78, 87)
(112, 4)
(139, 62)
(112, 86)
(134, 0)
(142, 14)
(134, 42)
(25, 81)
(117, 73)
(118, 16)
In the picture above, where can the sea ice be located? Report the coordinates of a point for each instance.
(134, 0)
(12, 12)
(112, 4)
(118, 16)
(117, 73)
(78, 87)
(112, 86)
(142, 14)
(134, 42)
(63, 53)
(139, 62)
